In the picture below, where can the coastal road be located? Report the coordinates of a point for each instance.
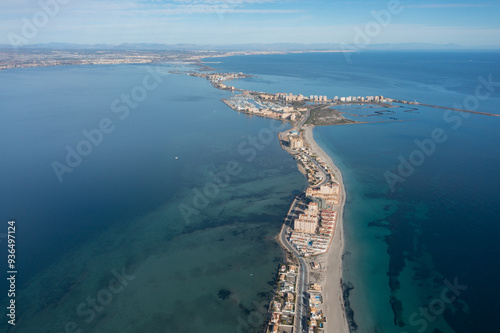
(301, 305)
(301, 310)
(303, 277)
(305, 119)
(326, 177)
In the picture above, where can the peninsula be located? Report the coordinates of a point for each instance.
(309, 286)
(312, 233)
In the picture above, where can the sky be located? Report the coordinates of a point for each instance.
(470, 23)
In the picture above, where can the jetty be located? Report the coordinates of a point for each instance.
(455, 109)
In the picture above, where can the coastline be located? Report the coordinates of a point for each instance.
(331, 309)
(13, 58)
(372, 298)
(333, 294)
(333, 312)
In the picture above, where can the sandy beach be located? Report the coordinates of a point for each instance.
(332, 289)
(331, 262)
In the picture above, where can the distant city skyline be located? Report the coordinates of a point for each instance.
(222, 22)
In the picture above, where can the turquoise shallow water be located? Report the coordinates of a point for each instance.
(403, 246)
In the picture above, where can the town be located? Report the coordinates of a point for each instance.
(309, 228)
(307, 233)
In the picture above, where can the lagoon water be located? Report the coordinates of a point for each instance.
(119, 211)
(212, 270)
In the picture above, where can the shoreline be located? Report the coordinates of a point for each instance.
(331, 290)
(333, 299)
(24, 58)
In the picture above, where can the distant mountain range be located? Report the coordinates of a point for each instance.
(248, 47)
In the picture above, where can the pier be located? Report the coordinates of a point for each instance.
(459, 110)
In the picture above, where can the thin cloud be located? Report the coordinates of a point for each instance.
(177, 7)
(233, 2)
(452, 5)
(181, 10)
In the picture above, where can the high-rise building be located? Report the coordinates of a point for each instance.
(308, 222)
(296, 142)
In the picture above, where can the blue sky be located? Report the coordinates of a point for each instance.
(464, 22)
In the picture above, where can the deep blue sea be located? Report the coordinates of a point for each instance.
(167, 224)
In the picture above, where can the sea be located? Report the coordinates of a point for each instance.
(142, 203)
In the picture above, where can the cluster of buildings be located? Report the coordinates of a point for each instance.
(330, 194)
(282, 308)
(295, 140)
(283, 304)
(309, 163)
(308, 221)
(287, 97)
(313, 230)
(312, 235)
(217, 79)
(314, 175)
(350, 99)
(316, 98)
(248, 104)
(322, 164)
(316, 318)
(328, 220)
(222, 86)
(25, 58)
(310, 244)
